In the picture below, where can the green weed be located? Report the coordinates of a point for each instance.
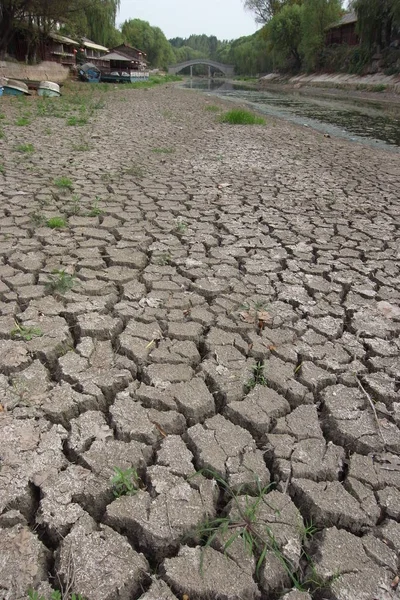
(2, 169)
(258, 377)
(38, 219)
(22, 121)
(2, 134)
(63, 183)
(239, 116)
(180, 226)
(163, 150)
(60, 281)
(25, 333)
(213, 108)
(56, 223)
(79, 121)
(125, 482)
(95, 209)
(26, 148)
(136, 171)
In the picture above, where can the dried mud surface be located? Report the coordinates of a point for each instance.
(196, 251)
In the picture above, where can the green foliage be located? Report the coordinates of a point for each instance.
(239, 116)
(56, 223)
(284, 34)
(317, 15)
(378, 22)
(125, 482)
(72, 121)
(151, 40)
(25, 333)
(63, 183)
(60, 281)
(25, 148)
(22, 121)
(258, 377)
(2, 169)
(213, 108)
(163, 150)
(95, 209)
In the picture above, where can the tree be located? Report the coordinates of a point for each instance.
(377, 21)
(265, 10)
(316, 16)
(150, 39)
(284, 35)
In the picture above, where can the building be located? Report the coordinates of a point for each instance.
(92, 52)
(343, 32)
(138, 56)
(122, 67)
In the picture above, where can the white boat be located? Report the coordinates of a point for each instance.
(12, 87)
(48, 88)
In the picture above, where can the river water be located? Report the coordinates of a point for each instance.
(374, 123)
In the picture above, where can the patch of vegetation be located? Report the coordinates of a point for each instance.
(75, 205)
(240, 521)
(79, 121)
(239, 116)
(60, 281)
(95, 209)
(125, 482)
(56, 223)
(380, 87)
(25, 333)
(163, 150)
(22, 121)
(135, 170)
(213, 108)
(2, 169)
(164, 258)
(258, 377)
(26, 148)
(2, 134)
(38, 219)
(180, 226)
(82, 147)
(63, 183)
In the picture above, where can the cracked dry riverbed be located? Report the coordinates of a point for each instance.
(229, 302)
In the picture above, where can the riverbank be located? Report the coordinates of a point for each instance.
(179, 296)
(371, 88)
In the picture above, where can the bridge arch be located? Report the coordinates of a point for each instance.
(227, 70)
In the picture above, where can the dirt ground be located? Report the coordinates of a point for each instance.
(214, 311)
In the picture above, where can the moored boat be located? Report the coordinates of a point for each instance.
(12, 87)
(48, 88)
(89, 72)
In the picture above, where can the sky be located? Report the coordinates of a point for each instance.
(226, 19)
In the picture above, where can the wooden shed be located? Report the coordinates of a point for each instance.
(343, 32)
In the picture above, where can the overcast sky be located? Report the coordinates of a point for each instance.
(179, 18)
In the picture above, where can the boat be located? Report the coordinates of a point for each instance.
(12, 87)
(48, 88)
(89, 72)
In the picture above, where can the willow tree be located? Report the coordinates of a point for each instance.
(265, 10)
(376, 21)
(100, 18)
(316, 16)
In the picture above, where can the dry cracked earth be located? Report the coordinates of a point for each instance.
(230, 322)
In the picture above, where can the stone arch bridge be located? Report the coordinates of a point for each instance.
(227, 70)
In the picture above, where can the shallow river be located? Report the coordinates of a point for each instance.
(374, 123)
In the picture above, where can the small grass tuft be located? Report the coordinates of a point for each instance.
(163, 150)
(22, 121)
(63, 183)
(125, 482)
(180, 226)
(213, 108)
(240, 116)
(26, 148)
(95, 209)
(56, 223)
(60, 281)
(55, 595)
(77, 121)
(25, 333)
(2, 169)
(258, 377)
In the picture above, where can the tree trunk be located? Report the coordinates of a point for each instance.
(6, 32)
